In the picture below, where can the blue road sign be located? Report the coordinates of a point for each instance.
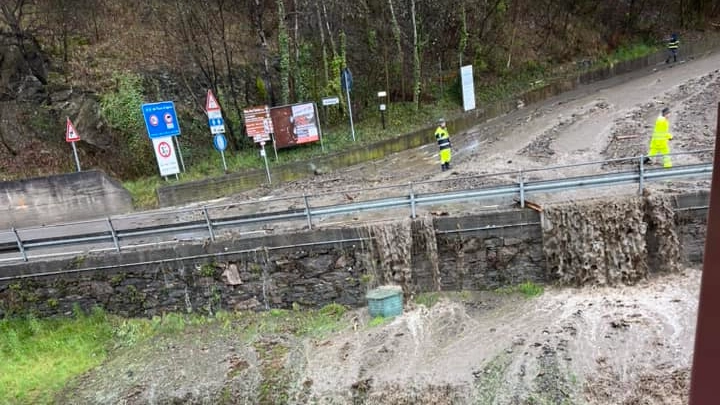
(220, 142)
(161, 119)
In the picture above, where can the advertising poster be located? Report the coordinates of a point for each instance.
(294, 125)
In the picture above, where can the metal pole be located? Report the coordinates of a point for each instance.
(209, 224)
(522, 189)
(307, 211)
(264, 155)
(222, 153)
(77, 161)
(703, 380)
(19, 241)
(413, 213)
(114, 235)
(352, 127)
(642, 175)
(182, 163)
(322, 145)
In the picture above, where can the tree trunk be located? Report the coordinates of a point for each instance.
(416, 58)
(397, 35)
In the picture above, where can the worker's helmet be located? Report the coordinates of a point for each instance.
(665, 111)
(441, 121)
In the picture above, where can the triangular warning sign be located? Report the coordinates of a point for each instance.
(71, 134)
(211, 103)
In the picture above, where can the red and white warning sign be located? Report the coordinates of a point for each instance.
(71, 134)
(211, 103)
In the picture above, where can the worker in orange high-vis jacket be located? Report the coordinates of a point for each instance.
(660, 141)
(443, 139)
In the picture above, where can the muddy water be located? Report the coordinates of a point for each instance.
(610, 241)
(570, 346)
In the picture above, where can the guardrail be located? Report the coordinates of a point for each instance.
(199, 223)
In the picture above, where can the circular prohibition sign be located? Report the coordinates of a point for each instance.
(164, 149)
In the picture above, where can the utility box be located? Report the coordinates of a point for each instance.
(385, 301)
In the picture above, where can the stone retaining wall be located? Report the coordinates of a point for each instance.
(312, 268)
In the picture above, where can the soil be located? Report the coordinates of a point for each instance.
(629, 344)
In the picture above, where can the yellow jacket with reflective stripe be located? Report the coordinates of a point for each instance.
(662, 130)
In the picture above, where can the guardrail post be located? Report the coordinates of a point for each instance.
(521, 180)
(642, 174)
(209, 224)
(413, 213)
(307, 211)
(114, 235)
(20, 244)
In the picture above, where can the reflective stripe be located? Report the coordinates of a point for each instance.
(673, 44)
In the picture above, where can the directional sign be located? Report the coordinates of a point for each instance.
(220, 142)
(161, 119)
(216, 122)
(330, 100)
(71, 134)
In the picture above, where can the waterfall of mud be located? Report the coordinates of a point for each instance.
(610, 241)
(663, 244)
(392, 242)
(426, 242)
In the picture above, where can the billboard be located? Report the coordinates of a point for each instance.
(294, 125)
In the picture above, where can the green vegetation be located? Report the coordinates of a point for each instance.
(427, 299)
(528, 289)
(378, 321)
(41, 355)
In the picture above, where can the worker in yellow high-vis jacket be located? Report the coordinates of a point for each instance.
(443, 139)
(659, 143)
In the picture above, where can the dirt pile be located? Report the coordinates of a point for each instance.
(609, 242)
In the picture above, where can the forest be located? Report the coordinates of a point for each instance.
(98, 60)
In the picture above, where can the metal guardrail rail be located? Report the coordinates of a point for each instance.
(204, 226)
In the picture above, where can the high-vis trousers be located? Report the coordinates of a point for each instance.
(661, 147)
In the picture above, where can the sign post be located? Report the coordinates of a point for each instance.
(162, 125)
(382, 106)
(264, 155)
(346, 83)
(72, 136)
(220, 144)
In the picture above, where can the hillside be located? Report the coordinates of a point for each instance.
(97, 62)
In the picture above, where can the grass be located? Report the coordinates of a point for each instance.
(40, 356)
(528, 289)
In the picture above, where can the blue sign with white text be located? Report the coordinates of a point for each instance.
(161, 119)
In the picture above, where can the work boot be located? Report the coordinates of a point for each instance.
(647, 160)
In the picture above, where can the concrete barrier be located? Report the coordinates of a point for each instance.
(61, 198)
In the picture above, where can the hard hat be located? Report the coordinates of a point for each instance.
(665, 111)
(441, 121)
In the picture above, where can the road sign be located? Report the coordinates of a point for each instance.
(211, 103)
(71, 134)
(216, 122)
(165, 155)
(220, 142)
(161, 119)
(330, 100)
